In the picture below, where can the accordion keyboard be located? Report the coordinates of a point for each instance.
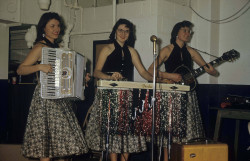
(51, 79)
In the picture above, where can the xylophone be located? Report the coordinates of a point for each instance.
(142, 85)
(125, 107)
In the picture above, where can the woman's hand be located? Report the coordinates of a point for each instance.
(175, 77)
(87, 79)
(116, 76)
(46, 68)
(169, 77)
(210, 69)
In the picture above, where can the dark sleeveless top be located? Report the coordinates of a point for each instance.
(179, 56)
(116, 63)
(49, 44)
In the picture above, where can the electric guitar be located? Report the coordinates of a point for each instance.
(189, 76)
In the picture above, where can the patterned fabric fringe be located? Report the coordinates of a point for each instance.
(126, 112)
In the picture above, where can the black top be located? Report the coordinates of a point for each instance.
(179, 56)
(117, 63)
(48, 43)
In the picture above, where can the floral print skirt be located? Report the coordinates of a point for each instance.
(109, 126)
(52, 129)
(193, 124)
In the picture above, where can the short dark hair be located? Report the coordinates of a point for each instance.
(177, 27)
(131, 38)
(45, 18)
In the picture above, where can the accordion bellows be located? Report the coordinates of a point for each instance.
(67, 78)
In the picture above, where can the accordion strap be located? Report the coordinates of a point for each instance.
(37, 73)
(37, 78)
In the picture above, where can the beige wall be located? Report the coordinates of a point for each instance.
(206, 34)
(30, 11)
(235, 35)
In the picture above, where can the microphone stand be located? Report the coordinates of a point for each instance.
(153, 38)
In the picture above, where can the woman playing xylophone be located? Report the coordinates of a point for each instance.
(116, 62)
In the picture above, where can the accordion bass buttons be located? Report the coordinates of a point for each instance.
(66, 73)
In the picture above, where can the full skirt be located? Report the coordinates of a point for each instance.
(52, 129)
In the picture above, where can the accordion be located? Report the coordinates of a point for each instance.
(67, 78)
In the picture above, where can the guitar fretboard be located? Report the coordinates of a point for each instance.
(201, 70)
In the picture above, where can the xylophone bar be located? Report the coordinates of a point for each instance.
(142, 85)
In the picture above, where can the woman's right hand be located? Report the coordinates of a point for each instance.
(116, 76)
(46, 68)
(175, 77)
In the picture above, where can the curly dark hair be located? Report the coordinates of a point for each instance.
(45, 18)
(131, 38)
(177, 27)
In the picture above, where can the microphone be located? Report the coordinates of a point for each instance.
(153, 38)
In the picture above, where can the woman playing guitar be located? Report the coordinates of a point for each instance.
(174, 55)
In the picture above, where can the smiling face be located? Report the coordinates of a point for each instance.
(184, 34)
(122, 34)
(52, 30)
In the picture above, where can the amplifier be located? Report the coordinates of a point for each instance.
(199, 152)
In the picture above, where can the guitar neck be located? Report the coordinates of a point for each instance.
(197, 72)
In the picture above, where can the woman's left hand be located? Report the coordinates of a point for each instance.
(117, 76)
(210, 69)
(87, 78)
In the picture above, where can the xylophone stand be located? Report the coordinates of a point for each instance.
(107, 137)
(107, 145)
(170, 124)
(154, 39)
(170, 130)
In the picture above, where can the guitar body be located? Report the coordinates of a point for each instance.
(188, 77)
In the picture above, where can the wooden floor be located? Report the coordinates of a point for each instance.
(12, 152)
